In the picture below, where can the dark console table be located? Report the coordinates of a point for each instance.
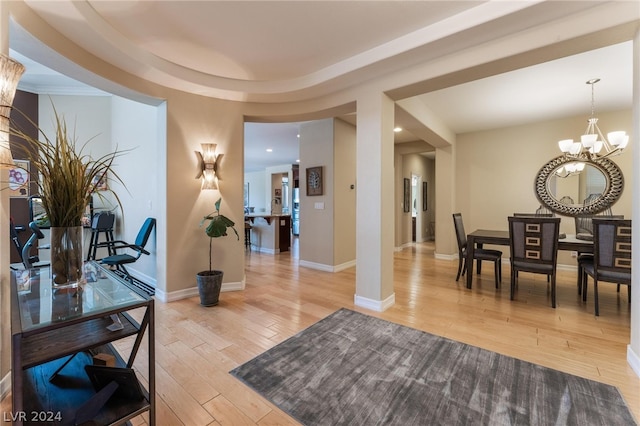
(57, 332)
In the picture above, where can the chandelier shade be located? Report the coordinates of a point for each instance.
(593, 144)
(10, 73)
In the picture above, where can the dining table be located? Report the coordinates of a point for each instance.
(479, 237)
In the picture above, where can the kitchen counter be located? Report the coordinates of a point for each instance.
(267, 217)
(270, 233)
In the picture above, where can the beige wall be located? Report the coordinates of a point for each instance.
(495, 170)
(316, 212)
(344, 231)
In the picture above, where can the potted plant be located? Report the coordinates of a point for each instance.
(68, 178)
(210, 281)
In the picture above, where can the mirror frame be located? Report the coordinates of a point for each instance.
(613, 176)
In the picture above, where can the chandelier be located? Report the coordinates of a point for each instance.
(570, 169)
(593, 144)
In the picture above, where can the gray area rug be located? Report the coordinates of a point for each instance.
(353, 369)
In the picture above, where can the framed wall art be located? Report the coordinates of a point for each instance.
(407, 195)
(100, 182)
(425, 202)
(314, 181)
(19, 179)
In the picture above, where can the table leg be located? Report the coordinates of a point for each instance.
(469, 262)
(479, 263)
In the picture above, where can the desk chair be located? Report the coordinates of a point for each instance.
(118, 260)
(611, 261)
(479, 254)
(534, 248)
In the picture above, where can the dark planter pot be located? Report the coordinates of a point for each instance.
(209, 285)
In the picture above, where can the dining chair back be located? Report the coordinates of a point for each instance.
(534, 248)
(611, 256)
(479, 253)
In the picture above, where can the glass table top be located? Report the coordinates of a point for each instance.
(41, 304)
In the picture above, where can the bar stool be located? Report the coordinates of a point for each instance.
(101, 223)
(247, 236)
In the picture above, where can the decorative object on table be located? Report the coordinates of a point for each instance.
(210, 281)
(354, 369)
(66, 183)
(315, 184)
(593, 145)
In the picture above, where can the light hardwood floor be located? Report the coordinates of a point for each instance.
(196, 347)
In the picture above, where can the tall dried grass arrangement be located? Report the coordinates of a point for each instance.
(67, 175)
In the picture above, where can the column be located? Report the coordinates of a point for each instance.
(374, 202)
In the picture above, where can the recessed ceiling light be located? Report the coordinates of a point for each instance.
(269, 150)
(397, 129)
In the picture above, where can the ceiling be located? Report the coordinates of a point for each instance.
(218, 49)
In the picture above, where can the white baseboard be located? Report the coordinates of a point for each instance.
(634, 360)
(375, 305)
(265, 250)
(446, 256)
(193, 292)
(314, 265)
(143, 277)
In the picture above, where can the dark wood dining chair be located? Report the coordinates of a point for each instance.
(479, 254)
(534, 248)
(584, 231)
(611, 261)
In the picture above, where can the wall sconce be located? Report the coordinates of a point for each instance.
(10, 73)
(208, 166)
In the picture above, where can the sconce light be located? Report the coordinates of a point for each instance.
(10, 73)
(208, 166)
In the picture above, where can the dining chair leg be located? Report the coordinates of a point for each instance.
(553, 290)
(579, 280)
(585, 278)
(460, 261)
(513, 283)
(496, 273)
(595, 296)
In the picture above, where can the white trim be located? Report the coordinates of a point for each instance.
(193, 292)
(446, 256)
(143, 277)
(318, 266)
(264, 250)
(375, 305)
(634, 360)
(345, 265)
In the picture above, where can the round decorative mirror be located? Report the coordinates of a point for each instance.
(586, 192)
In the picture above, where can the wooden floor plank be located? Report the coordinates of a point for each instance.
(196, 347)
